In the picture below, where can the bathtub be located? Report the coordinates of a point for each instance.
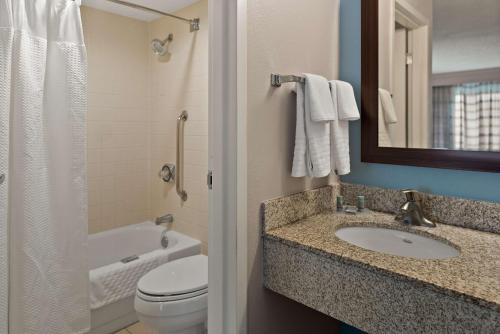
(113, 283)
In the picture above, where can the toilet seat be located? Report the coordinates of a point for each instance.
(168, 298)
(177, 280)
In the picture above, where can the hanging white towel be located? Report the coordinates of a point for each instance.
(344, 102)
(384, 140)
(312, 138)
(388, 110)
(300, 160)
(386, 116)
(318, 99)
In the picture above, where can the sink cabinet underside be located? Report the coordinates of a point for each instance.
(369, 300)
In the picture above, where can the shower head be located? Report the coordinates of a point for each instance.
(160, 47)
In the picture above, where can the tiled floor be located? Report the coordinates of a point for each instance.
(136, 328)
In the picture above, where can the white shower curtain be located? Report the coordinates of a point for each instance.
(43, 209)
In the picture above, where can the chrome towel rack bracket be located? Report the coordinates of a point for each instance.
(278, 79)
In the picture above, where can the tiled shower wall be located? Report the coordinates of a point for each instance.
(180, 82)
(118, 119)
(135, 98)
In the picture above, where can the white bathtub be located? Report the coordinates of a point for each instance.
(112, 283)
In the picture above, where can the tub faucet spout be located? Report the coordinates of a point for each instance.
(168, 218)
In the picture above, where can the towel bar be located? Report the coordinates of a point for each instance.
(278, 79)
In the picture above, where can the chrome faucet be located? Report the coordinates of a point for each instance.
(166, 219)
(411, 212)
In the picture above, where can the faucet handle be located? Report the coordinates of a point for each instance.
(411, 195)
(168, 218)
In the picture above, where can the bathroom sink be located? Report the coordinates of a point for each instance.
(394, 242)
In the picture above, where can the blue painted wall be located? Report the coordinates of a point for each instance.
(474, 185)
(346, 329)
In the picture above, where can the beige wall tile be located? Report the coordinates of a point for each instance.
(134, 101)
(181, 83)
(118, 119)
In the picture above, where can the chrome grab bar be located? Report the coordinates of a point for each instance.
(179, 175)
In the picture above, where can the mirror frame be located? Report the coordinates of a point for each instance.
(370, 151)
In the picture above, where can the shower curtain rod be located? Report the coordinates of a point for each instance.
(194, 24)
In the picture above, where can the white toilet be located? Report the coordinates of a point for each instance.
(172, 299)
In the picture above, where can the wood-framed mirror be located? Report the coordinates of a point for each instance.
(431, 83)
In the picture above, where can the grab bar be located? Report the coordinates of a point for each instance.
(179, 175)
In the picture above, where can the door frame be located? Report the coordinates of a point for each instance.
(227, 245)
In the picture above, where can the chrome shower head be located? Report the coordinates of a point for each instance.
(160, 47)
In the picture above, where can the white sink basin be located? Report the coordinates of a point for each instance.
(394, 242)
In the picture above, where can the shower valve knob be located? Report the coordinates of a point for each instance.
(167, 173)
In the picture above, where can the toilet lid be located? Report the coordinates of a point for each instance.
(182, 276)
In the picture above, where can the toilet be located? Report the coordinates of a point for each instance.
(172, 299)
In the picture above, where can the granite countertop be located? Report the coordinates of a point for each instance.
(473, 276)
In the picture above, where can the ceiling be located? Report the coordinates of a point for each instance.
(168, 6)
(466, 35)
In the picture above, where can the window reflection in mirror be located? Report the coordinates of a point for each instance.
(439, 74)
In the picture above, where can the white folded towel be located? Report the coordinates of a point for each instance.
(347, 110)
(301, 161)
(346, 101)
(388, 110)
(384, 140)
(312, 138)
(318, 99)
(386, 115)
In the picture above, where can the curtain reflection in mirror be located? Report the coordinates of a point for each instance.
(467, 116)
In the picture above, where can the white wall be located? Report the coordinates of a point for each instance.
(420, 127)
(289, 37)
(419, 111)
(466, 35)
(398, 133)
(386, 27)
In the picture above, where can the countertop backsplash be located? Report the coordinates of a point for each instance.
(477, 215)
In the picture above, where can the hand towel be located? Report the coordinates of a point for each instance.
(318, 99)
(312, 138)
(347, 110)
(318, 113)
(300, 160)
(384, 140)
(387, 106)
(386, 115)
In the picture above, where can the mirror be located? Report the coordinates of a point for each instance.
(439, 74)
